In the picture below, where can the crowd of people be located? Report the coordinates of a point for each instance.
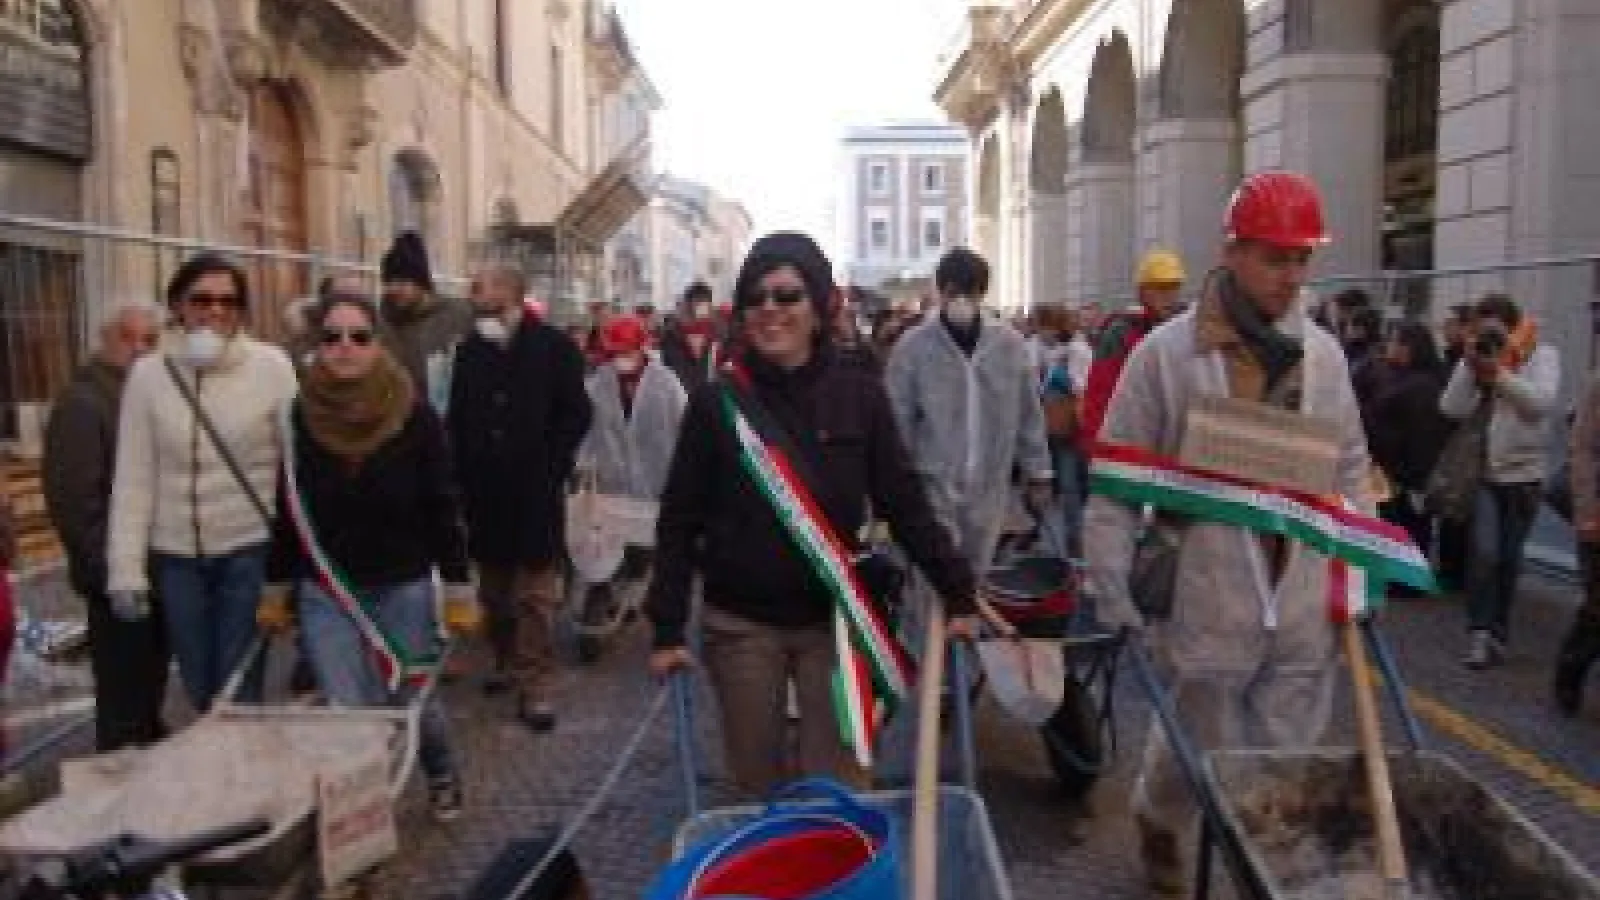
(402, 465)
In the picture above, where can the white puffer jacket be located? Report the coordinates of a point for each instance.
(173, 493)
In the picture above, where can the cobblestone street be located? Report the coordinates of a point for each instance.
(1499, 725)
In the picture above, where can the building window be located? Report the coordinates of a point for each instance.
(933, 235)
(933, 178)
(502, 54)
(558, 95)
(878, 178)
(878, 234)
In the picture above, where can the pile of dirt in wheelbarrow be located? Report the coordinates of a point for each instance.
(1306, 820)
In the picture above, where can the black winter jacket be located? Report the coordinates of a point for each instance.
(80, 460)
(517, 415)
(1406, 432)
(714, 521)
(388, 522)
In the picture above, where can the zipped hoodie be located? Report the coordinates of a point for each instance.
(173, 493)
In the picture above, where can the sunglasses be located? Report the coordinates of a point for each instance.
(224, 301)
(360, 337)
(782, 296)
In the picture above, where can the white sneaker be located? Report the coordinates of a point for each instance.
(1484, 650)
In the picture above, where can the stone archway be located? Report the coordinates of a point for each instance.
(1102, 186)
(1049, 152)
(1196, 146)
(986, 230)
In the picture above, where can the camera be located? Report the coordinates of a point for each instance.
(1491, 340)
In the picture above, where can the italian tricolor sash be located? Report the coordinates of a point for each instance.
(395, 663)
(1368, 553)
(874, 673)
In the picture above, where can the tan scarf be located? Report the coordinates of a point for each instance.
(352, 418)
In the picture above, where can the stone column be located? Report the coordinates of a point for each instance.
(1195, 164)
(1322, 115)
(1101, 198)
(1047, 226)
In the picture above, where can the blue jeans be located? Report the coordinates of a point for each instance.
(210, 605)
(346, 671)
(1073, 488)
(1501, 518)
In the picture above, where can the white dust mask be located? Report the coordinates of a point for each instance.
(202, 347)
(961, 310)
(627, 365)
(492, 328)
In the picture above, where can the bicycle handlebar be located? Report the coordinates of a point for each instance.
(126, 864)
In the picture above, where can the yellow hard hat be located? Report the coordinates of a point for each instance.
(1160, 267)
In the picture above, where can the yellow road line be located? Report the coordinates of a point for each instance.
(1523, 762)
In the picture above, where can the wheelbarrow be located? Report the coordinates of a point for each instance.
(239, 762)
(1300, 825)
(610, 540)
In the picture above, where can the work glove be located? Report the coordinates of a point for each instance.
(272, 612)
(462, 614)
(130, 606)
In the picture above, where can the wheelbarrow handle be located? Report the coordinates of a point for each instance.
(683, 734)
(1251, 881)
(960, 689)
(1392, 682)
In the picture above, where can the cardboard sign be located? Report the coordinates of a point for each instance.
(355, 818)
(1262, 443)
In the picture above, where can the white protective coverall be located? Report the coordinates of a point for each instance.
(968, 423)
(1250, 663)
(630, 454)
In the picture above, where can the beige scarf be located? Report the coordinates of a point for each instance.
(352, 418)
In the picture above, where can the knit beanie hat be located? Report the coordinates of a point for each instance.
(787, 248)
(407, 260)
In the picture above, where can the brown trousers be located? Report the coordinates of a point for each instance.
(519, 608)
(750, 666)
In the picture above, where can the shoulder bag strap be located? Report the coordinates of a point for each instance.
(200, 414)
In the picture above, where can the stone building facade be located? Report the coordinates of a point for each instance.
(904, 188)
(318, 127)
(693, 234)
(1442, 132)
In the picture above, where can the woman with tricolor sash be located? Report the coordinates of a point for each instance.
(776, 465)
(368, 512)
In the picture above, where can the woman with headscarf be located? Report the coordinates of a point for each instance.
(368, 512)
(197, 475)
(776, 464)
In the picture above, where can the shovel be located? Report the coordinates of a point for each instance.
(1391, 851)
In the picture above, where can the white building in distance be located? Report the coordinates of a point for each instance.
(903, 201)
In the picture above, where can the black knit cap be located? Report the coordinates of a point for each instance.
(407, 260)
(787, 248)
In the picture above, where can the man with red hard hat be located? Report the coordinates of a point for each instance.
(1243, 626)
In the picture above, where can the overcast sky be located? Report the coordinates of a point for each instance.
(759, 92)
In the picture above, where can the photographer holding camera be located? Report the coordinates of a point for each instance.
(1506, 367)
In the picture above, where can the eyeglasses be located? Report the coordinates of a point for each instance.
(787, 296)
(224, 301)
(360, 337)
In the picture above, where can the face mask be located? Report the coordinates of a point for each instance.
(491, 328)
(627, 365)
(202, 347)
(961, 310)
(701, 310)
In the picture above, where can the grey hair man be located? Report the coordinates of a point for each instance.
(129, 659)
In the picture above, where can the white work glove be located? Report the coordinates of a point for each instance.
(130, 606)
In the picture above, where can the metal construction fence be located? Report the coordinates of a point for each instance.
(57, 279)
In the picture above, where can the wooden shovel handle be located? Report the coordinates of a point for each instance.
(925, 797)
(1391, 850)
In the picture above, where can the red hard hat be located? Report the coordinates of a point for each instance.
(1280, 208)
(624, 334)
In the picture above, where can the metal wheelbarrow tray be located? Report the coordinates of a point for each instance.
(1306, 825)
